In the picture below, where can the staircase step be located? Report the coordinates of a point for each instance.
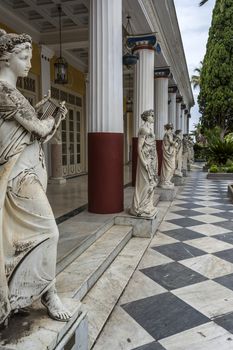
(73, 252)
(101, 299)
(78, 278)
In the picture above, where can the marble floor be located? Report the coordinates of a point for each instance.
(181, 295)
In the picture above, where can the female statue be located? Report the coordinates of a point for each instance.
(179, 153)
(146, 177)
(28, 231)
(170, 143)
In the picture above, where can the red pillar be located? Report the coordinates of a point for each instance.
(105, 172)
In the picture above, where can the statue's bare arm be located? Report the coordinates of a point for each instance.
(29, 120)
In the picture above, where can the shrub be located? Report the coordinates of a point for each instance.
(213, 168)
(221, 151)
(230, 169)
(229, 163)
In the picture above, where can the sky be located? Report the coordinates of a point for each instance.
(194, 22)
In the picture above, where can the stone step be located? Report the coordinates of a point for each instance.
(101, 299)
(72, 253)
(78, 278)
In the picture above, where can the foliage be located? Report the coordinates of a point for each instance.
(230, 169)
(221, 151)
(229, 137)
(200, 152)
(195, 78)
(216, 79)
(213, 168)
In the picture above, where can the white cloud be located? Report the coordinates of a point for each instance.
(194, 22)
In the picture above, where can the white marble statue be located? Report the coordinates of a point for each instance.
(146, 177)
(185, 154)
(170, 144)
(190, 150)
(179, 153)
(28, 231)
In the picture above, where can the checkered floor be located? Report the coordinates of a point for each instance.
(181, 297)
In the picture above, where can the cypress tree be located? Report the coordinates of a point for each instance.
(216, 79)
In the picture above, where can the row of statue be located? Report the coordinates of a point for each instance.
(177, 155)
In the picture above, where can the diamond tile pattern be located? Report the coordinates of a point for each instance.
(196, 311)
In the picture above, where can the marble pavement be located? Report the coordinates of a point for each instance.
(181, 295)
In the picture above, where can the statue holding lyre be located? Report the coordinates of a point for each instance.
(28, 231)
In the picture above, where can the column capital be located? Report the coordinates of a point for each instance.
(186, 111)
(142, 42)
(179, 99)
(188, 115)
(164, 72)
(183, 106)
(172, 89)
(46, 52)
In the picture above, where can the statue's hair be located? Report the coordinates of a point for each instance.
(146, 114)
(168, 126)
(10, 41)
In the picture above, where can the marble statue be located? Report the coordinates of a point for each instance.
(146, 177)
(170, 144)
(185, 154)
(179, 153)
(28, 231)
(190, 150)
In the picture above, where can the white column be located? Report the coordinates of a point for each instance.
(172, 108)
(106, 86)
(161, 106)
(45, 56)
(178, 113)
(143, 86)
(182, 120)
(105, 137)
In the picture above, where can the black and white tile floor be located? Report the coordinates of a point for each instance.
(181, 296)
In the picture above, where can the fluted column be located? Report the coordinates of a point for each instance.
(143, 46)
(183, 106)
(105, 138)
(172, 105)
(178, 113)
(161, 109)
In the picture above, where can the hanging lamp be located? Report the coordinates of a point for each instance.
(60, 65)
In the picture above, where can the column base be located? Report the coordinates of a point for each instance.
(105, 172)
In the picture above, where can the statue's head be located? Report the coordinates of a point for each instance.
(15, 52)
(178, 131)
(168, 127)
(148, 115)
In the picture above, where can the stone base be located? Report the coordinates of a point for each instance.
(38, 331)
(142, 227)
(57, 180)
(184, 171)
(178, 180)
(166, 194)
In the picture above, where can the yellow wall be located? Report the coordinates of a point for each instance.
(76, 79)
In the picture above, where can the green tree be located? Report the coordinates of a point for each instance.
(195, 78)
(216, 79)
(202, 2)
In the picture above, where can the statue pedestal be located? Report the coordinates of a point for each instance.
(57, 180)
(142, 227)
(178, 180)
(38, 331)
(166, 194)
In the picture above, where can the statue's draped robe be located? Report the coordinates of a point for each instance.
(169, 160)
(146, 176)
(28, 232)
